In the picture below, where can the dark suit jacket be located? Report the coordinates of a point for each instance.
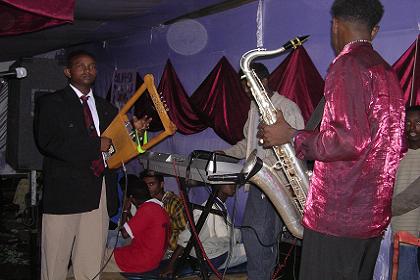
(69, 183)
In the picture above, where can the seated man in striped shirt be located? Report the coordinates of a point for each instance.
(221, 242)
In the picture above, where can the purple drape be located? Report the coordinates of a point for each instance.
(298, 79)
(22, 16)
(180, 111)
(407, 68)
(221, 103)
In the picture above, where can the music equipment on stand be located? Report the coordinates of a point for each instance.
(123, 147)
(204, 166)
(16, 73)
(43, 76)
(201, 166)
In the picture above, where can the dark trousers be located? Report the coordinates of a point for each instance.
(408, 265)
(260, 215)
(326, 257)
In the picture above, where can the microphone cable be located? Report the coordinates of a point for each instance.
(232, 238)
(231, 224)
(283, 265)
(119, 222)
(192, 221)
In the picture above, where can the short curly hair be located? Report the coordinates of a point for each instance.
(368, 12)
(136, 187)
(72, 56)
(415, 108)
(151, 173)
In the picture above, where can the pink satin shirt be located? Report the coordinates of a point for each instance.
(358, 147)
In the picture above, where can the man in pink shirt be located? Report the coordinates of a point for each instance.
(356, 150)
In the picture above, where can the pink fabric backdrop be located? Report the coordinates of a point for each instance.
(298, 79)
(22, 16)
(221, 102)
(408, 71)
(180, 111)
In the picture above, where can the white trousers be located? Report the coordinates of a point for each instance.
(79, 237)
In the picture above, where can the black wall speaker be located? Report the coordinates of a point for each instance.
(44, 75)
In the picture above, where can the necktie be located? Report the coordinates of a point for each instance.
(96, 165)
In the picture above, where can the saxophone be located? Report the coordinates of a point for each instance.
(288, 197)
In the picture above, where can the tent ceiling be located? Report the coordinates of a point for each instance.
(98, 20)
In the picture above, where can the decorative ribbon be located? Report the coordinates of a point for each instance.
(144, 140)
(260, 24)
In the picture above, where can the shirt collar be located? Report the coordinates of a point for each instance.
(157, 201)
(221, 203)
(166, 195)
(80, 94)
(351, 46)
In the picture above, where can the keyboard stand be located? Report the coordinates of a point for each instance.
(202, 219)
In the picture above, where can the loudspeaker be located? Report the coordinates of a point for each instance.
(44, 76)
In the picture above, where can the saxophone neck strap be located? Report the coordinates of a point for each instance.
(316, 116)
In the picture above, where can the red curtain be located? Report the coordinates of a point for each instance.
(298, 79)
(180, 111)
(22, 16)
(221, 103)
(408, 71)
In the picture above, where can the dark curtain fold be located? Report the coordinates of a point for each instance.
(180, 111)
(221, 102)
(298, 79)
(22, 16)
(407, 68)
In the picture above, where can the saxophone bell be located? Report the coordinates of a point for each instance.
(252, 166)
(267, 179)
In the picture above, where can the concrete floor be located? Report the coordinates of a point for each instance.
(117, 276)
(19, 243)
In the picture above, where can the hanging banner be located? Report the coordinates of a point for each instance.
(260, 24)
(123, 87)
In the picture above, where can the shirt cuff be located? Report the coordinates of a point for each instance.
(128, 229)
(295, 133)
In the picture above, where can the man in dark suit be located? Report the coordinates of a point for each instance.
(80, 192)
